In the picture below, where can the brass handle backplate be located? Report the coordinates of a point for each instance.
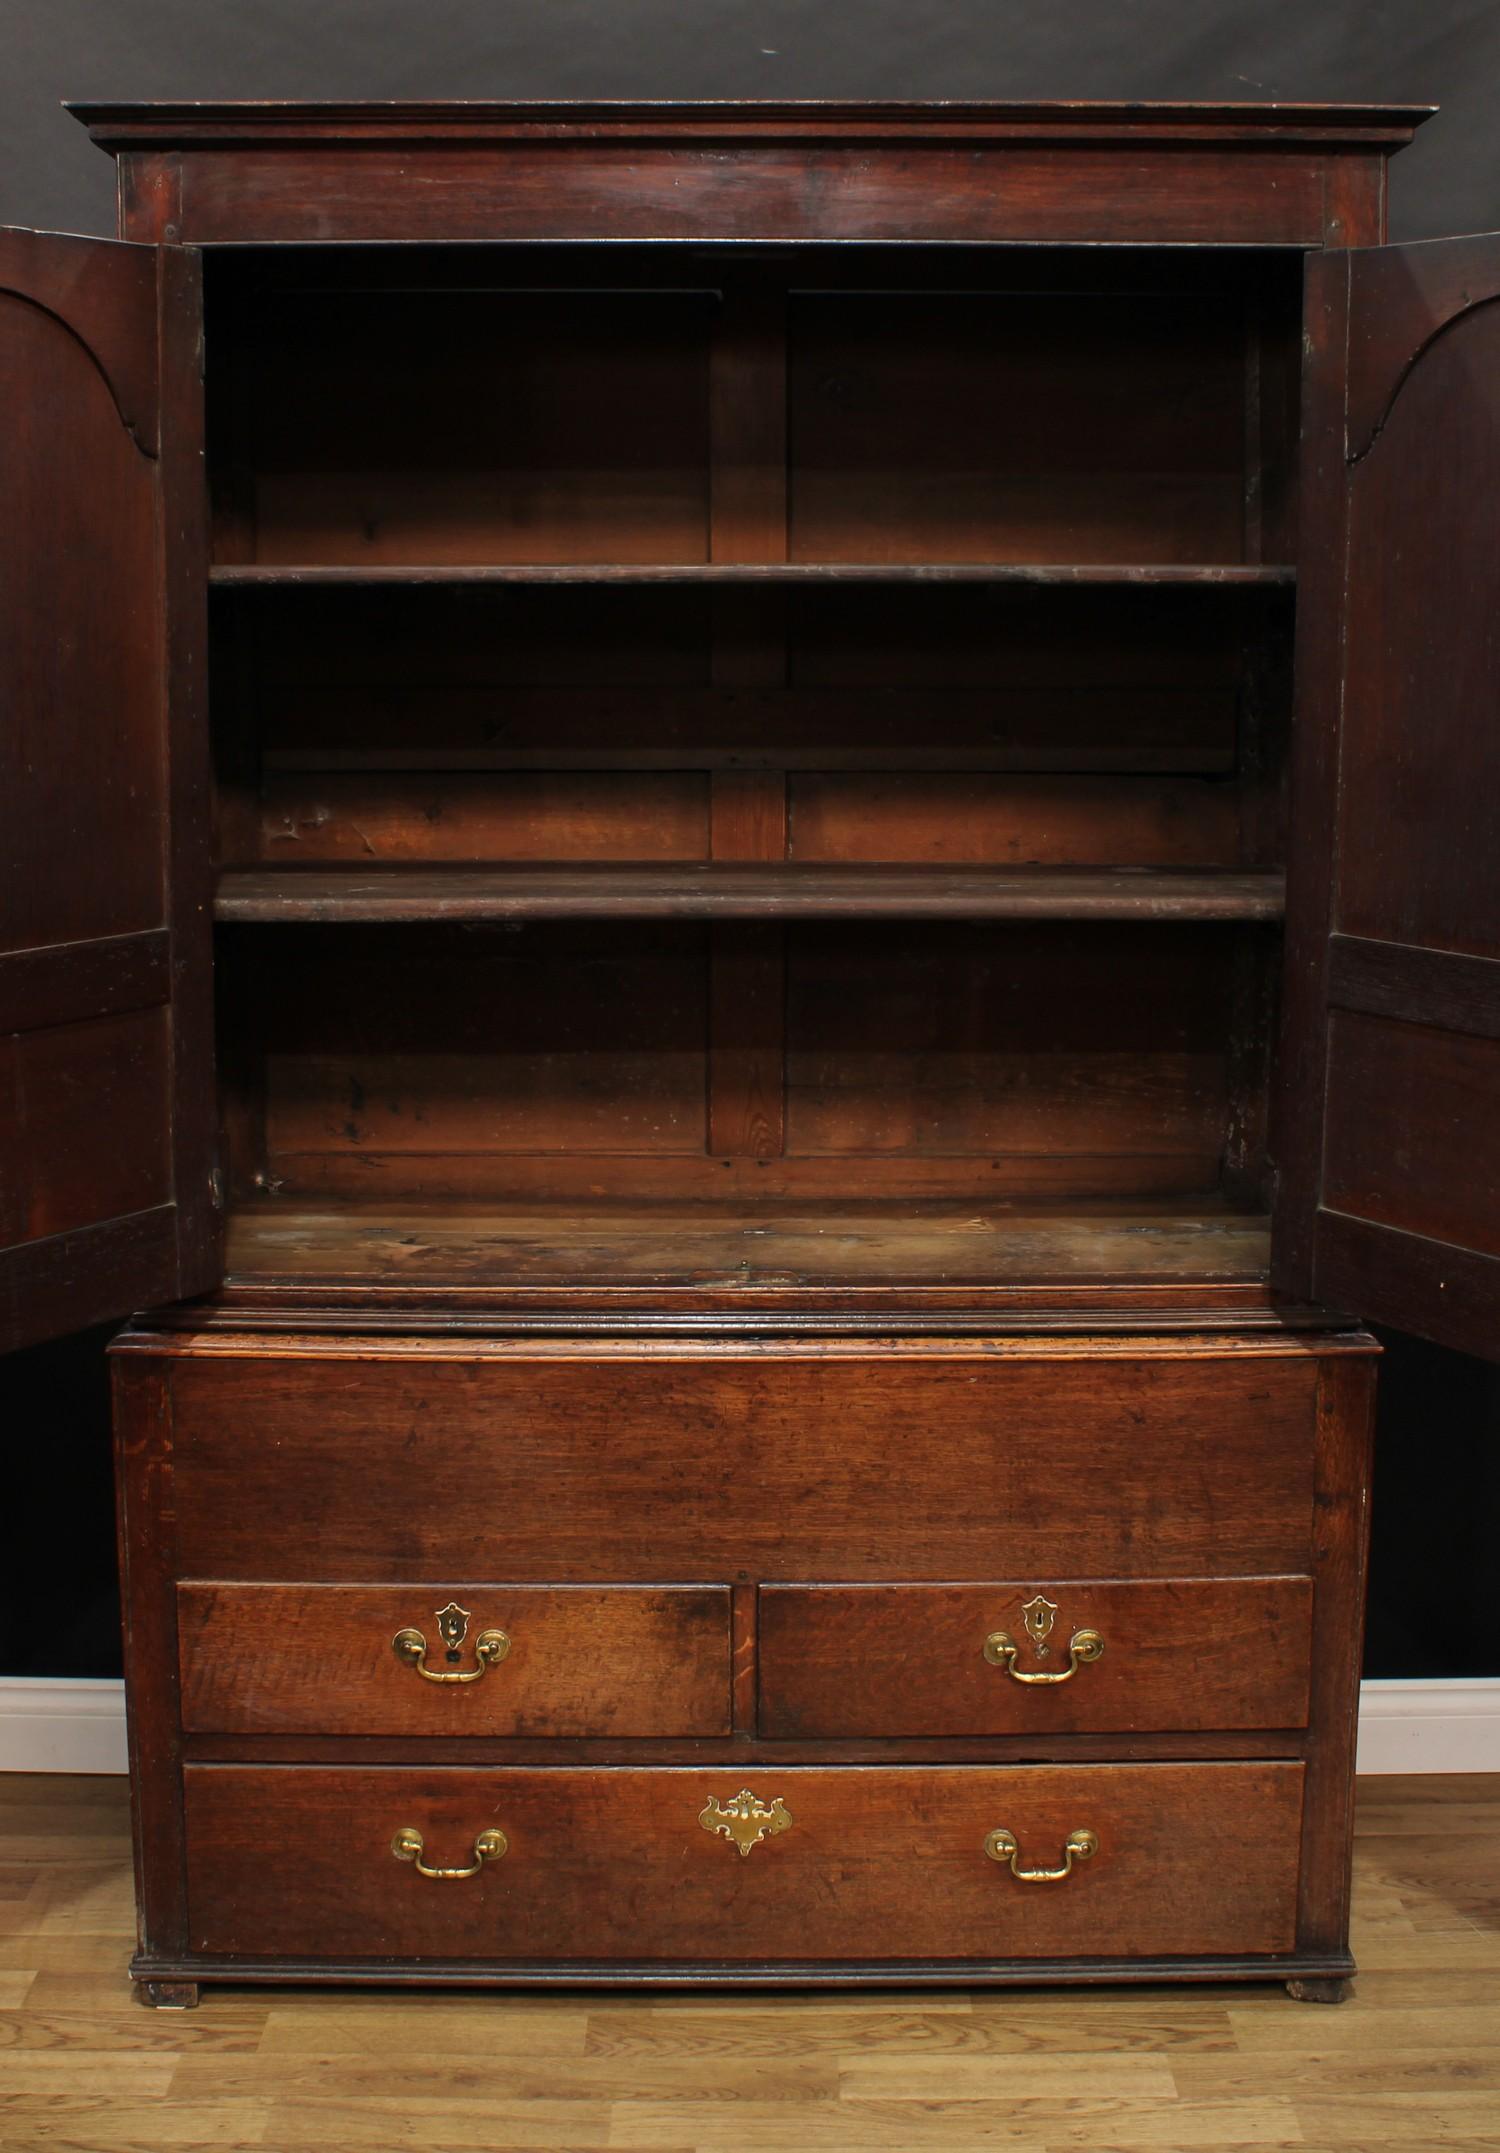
(1000, 1845)
(1000, 1649)
(408, 1845)
(490, 1647)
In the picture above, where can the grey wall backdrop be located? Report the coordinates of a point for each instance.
(1437, 1506)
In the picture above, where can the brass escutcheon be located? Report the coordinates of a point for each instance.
(745, 1819)
(1038, 1615)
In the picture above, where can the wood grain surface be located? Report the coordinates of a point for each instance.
(869, 1864)
(1166, 575)
(1417, 873)
(469, 1245)
(753, 171)
(606, 1660)
(780, 1464)
(105, 1073)
(272, 895)
(909, 1659)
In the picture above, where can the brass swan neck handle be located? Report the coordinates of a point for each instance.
(490, 1647)
(409, 1845)
(1002, 1846)
(1001, 1650)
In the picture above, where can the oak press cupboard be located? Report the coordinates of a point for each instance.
(750, 875)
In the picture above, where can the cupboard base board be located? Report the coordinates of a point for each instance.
(172, 1973)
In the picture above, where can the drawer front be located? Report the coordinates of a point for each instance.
(509, 1659)
(1074, 1657)
(861, 1864)
(777, 1462)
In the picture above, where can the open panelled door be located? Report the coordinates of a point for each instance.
(106, 1093)
(1390, 1157)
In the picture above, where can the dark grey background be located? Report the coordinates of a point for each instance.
(1437, 1512)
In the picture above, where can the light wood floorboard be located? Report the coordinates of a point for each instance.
(1411, 2065)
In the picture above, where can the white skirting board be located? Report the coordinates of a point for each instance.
(1448, 1726)
(48, 1726)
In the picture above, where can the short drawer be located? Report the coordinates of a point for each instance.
(446, 1659)
(1067, 1657)
(796, 1866)
(589, 1465)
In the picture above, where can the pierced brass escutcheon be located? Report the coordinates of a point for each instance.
(1000, 1845)
(1001, 1649)
(746, 1820)
(490, 1646)
(409, 1845)
(1038, 1616)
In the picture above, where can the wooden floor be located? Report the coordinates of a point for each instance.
(1412, 2063)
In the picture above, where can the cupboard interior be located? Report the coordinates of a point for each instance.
(1072, 476)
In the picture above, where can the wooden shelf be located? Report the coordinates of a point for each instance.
(303, 1241)
(270, 895)
(1167, 576)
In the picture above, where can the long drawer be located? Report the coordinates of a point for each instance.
(536, 1660)
(1071, 1657)
(796, 1463)
(788, 1866)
